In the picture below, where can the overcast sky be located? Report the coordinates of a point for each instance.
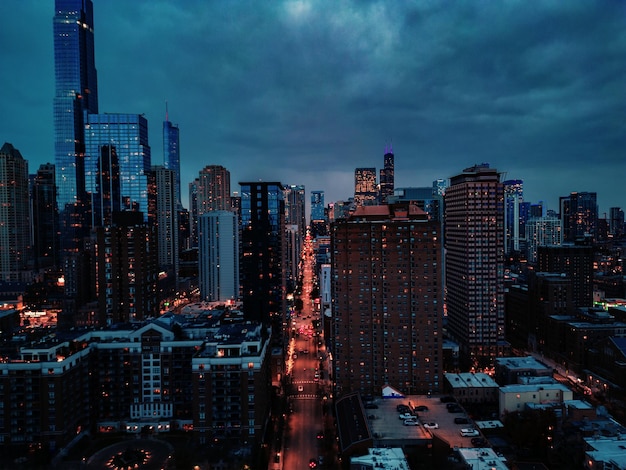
(304, 92)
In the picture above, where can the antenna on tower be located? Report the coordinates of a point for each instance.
(166, 112)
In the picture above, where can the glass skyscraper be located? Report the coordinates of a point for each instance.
(171, 155)
(76, 95)
(125, 135)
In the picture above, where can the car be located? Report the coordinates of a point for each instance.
(402, 408)
(461, 421)
(313, 463)
(411, 422)
(455, 409)
(421, 408)
(431, 425)
(300, 388)
(479, 442)
(469, 432)
(320, 435)
(406, 416)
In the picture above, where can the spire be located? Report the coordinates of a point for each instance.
(166, 113)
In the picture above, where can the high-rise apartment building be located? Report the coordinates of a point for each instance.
(474, 225)
(76, 95)
(575, 262)
(163, 190)
(319, 218)
(579, 213)
(171, 155)
(262, 256)
(218, 256)
(387, 300)
(365, 188)
(105, 197)
(213, 189)
(45, 217)
(387, 179)
(513, 198)
(295, 231)
(193, 213)
(127, 269)
(542, 231)
(616, 222)
(125, 135)
(16, 255)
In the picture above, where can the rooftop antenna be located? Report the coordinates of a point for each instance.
(166, 112)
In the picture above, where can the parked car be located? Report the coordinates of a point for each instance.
(421, 408)
(402, 408)
(411, 422)
(479, 442)
(406, 416)
(469, 432)
(431, 425)
(455, 409)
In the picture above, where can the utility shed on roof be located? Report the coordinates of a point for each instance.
(468, 387)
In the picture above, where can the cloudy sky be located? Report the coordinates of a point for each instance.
(304, 92)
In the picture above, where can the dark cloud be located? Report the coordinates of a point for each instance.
(305, 91)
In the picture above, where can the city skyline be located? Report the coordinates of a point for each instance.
(304, 94)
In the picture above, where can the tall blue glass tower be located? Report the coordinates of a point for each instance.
(76, 95)
(171, 154)
(126, 136)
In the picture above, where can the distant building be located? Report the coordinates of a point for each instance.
(171, 155)
(513, 198)
(127, 270)
(387, 301)
(76, 95)
(365, 187)
(380, 458)
(263, 252)
(616, 222)
(542, 231)
(45, 217)
(468, 387)
(219, 256)
(517, 398)
(387, 179)
(124, 136)
(508, 370)
(576, 262)
(163, 188)
(16, 251)
(579, 213)
(295, 231)
(474, 221)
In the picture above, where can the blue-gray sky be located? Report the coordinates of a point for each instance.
(304, 92)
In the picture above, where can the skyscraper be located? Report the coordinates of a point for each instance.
(262, 244)
(127, 269)
(616, 221)
(319, 219)
(76, 95)
(387, 300)
(126, 135)
(45, 217)
(166, 216)
(295, 230)
(15, 246)
(218, 256)
(213, 189)
(542, 231)
(579, 213)
(365, 190)
(513, 197)
(387, 181)
(474, 224)
(171, 154)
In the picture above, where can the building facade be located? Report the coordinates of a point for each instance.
(76, 95)
(542, 231)
(263, 252)
(218, 256)
(163, 191)
(474, 221)
(387, 301)
(16, 251)
(126, 136)
(365, 187)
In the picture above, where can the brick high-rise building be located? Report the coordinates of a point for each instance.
(387, 300)
(474, 227)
